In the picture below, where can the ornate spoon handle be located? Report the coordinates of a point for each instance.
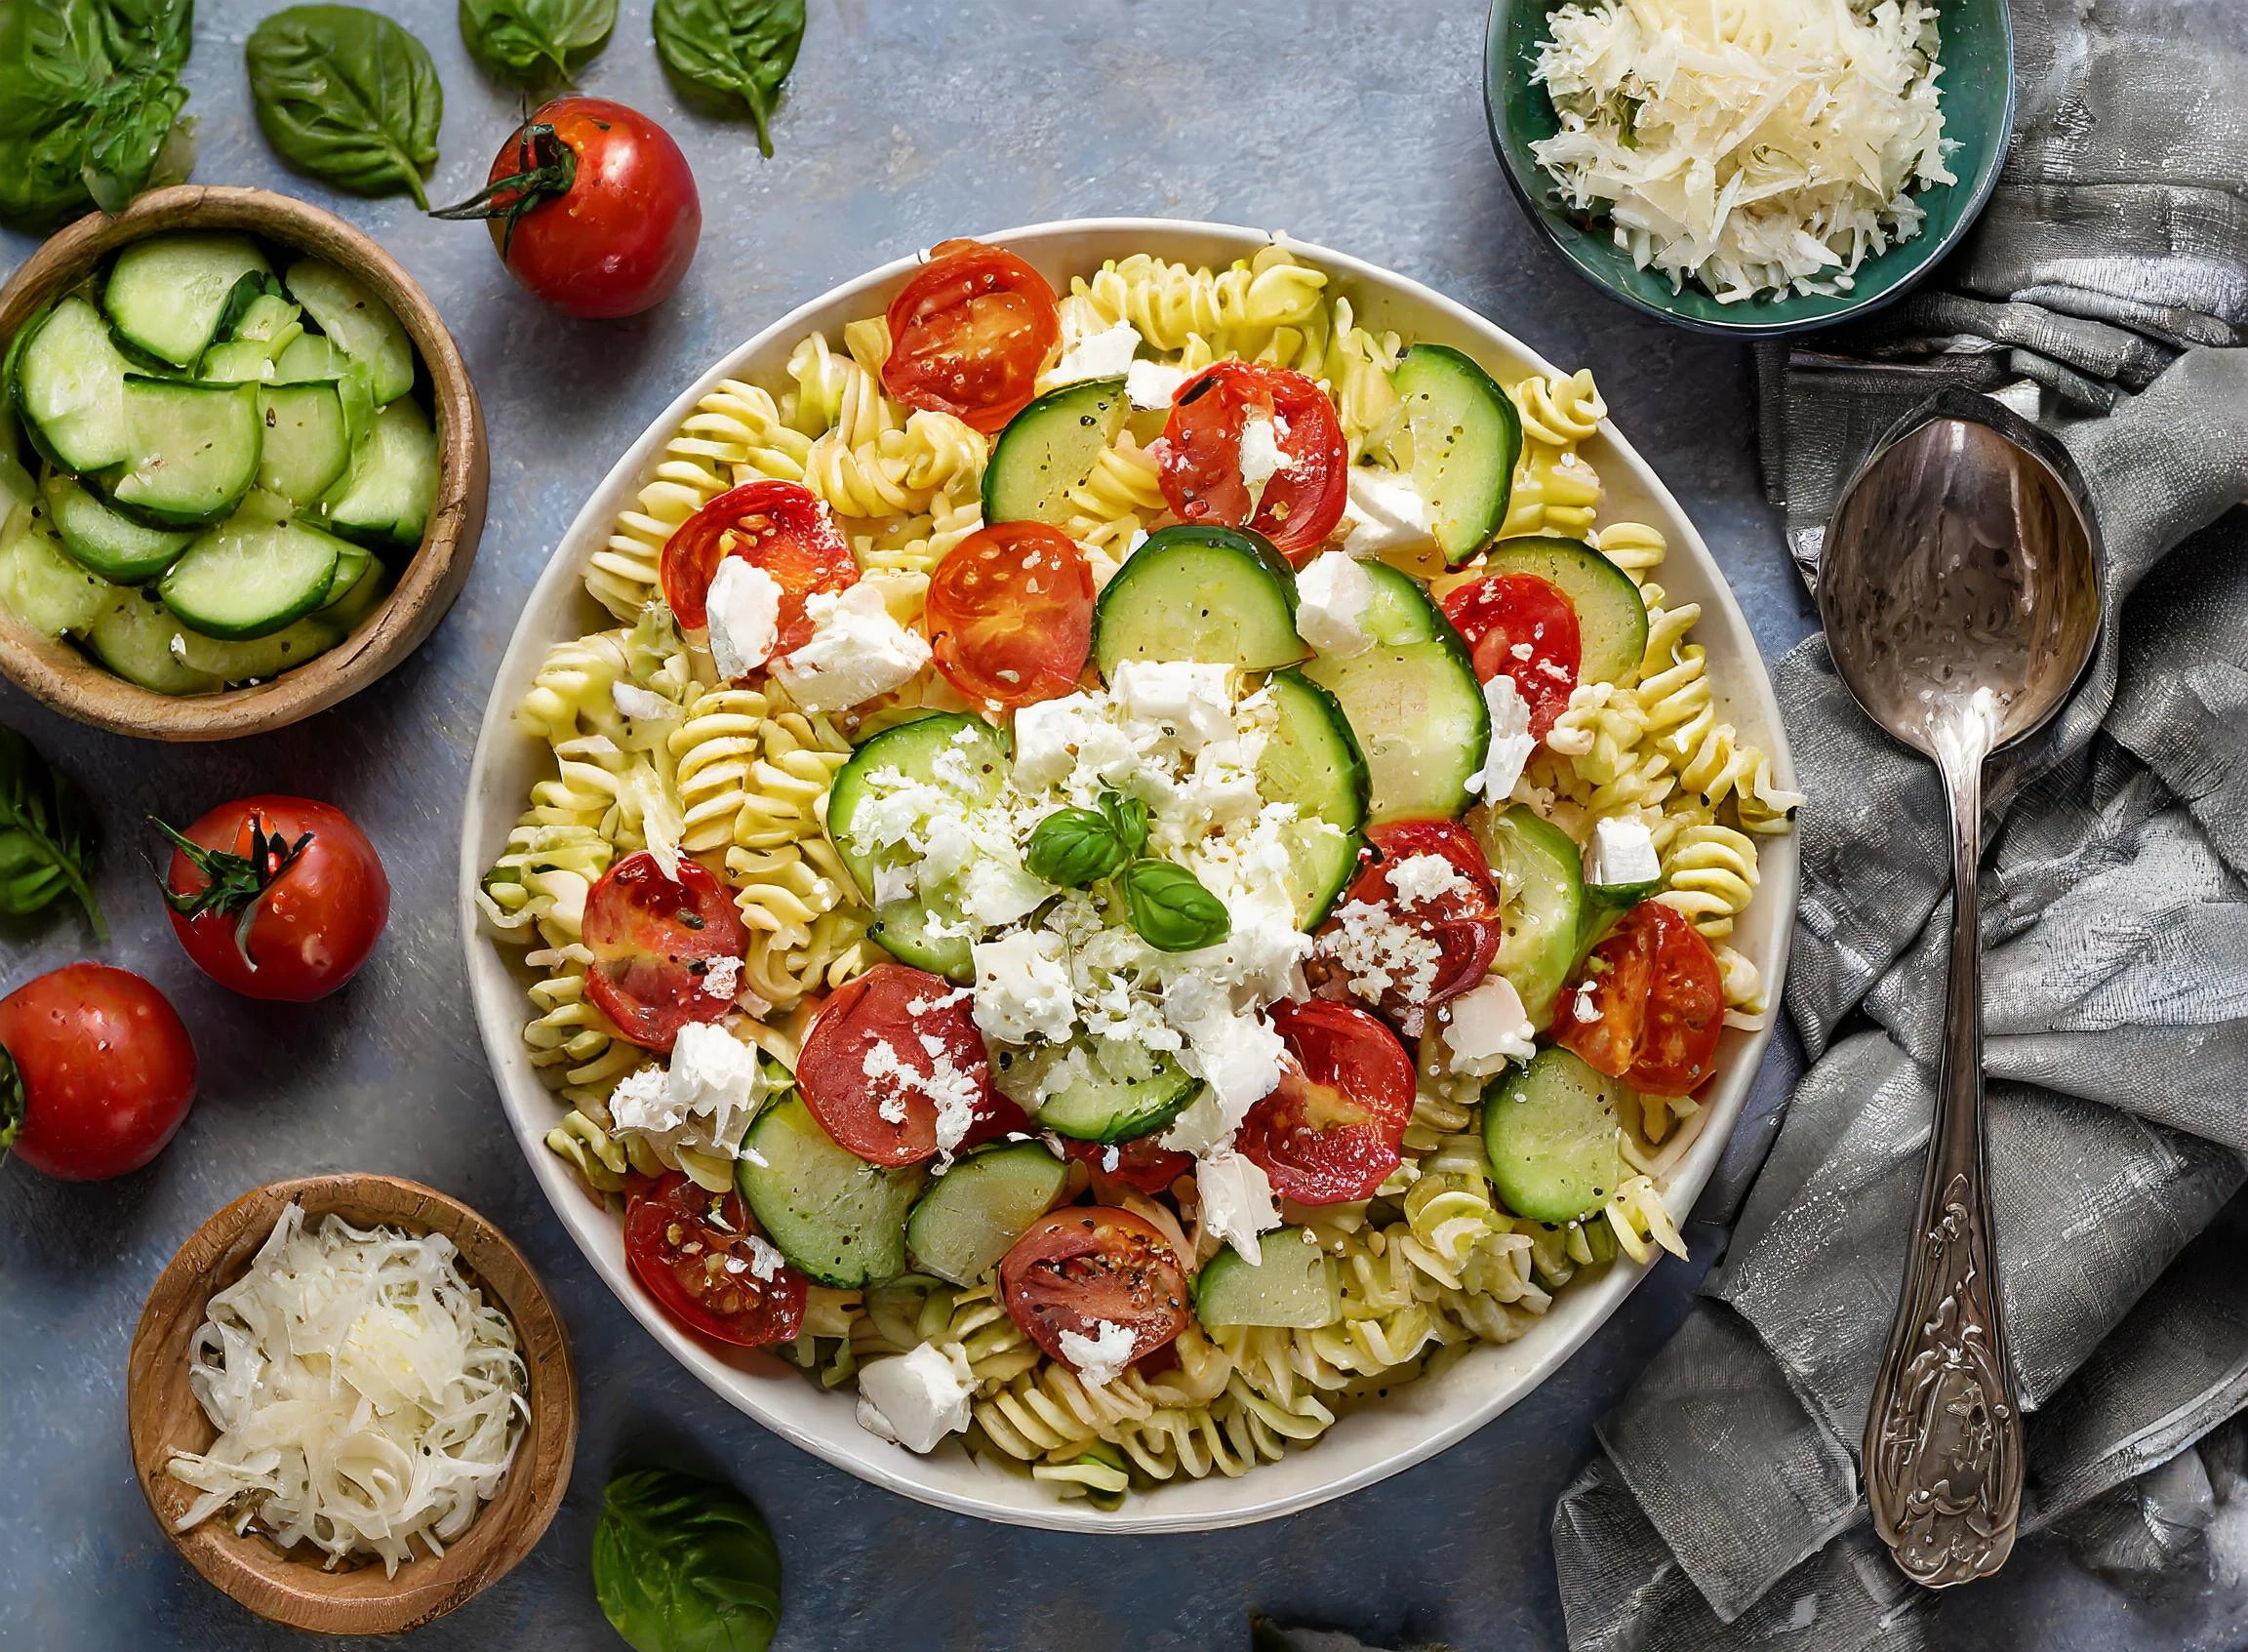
(1943, 1458)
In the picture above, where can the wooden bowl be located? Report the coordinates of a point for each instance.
(292, 1587)
(59, 675)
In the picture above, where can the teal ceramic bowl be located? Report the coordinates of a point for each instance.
(1978, 87)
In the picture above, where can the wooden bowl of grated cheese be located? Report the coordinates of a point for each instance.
(296, 1586)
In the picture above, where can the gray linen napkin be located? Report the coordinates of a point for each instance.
(2100, 291)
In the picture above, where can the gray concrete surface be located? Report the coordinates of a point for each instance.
(1357, 124)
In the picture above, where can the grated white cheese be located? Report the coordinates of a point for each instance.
(1758, 146)
(364, 1393)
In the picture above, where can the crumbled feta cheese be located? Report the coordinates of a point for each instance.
(1383, 513)
(996, 891)
(1419, 878)
(893, 884)
(1378, 954)
(1333, 594)
(1152, 385)
(917, 1398)
(179, 647)
(855, 652)
(641, 1103)
(1236, 1201)
(1023, 987)
(1101, 1357)
(1511, 742)
(953, 1092)
(1262, 458)
(723, 978)
(1486, 1028)
(765, 1262)
(1238, 1058)
(744, 611)
(1106, 354)
(1623, 852)
(702, 1102)
(643, 705)
(1045, 737)
(1193, 702)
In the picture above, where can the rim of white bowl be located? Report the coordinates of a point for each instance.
(1418, 1419)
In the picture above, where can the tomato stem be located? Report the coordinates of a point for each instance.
(231, 883)
(545, 168)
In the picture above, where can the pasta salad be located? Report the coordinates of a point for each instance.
(1136, 866)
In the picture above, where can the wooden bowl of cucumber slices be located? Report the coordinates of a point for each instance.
(242, 469)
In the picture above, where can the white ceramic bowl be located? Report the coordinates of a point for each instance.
(1418, 1419)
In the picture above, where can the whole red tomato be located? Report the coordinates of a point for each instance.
(592, 207)
(95, 1072)
(278, 898)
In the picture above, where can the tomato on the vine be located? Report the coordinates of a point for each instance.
(1655, 1005)
(95, 1072)
(277, 898)
(1203, 454)
(1010, 614)
(592, 207)
(654, 941)
(968, 334)
(698, 1256)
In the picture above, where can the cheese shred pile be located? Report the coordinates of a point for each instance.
(364, 1394)
(1756, 146)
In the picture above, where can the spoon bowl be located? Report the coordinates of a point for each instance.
(1959, 584)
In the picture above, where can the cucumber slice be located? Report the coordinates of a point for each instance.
(191, 449)
(109, 544)
(1549, 1134)
(236, 361)
(304, 449)
(1218, 595)
(1312, 760)
(1464, 438)
(310, 357)
(360, 324)
(350, 568)
(837, 1217)
(143, 642)
(904, 927)
(268, 319)
(360, 598)
(1117, 1091)
(1413, 701)
(972, 1213)
(1292, 1285)
(1541, 900)
(166, 295)
(246, 580)
(67, 379)
(1611, 616)
(44, 586)
(261, 659)
(1051, 448)
(386, 496)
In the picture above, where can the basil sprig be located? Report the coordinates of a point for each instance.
(734, 49)
(89, 101)
(535, 44)
(683, 1564)
(346, 95)
(1171, 909)
(46, 839)
(1076, 848)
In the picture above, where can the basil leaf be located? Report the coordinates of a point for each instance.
(1127, 817)
(535, 43)
(46, 840)
(347, 95)
(683, 1564)
(735, 48)
(134, 135)
(1171, 909)
(88, 104)
(1073, 848)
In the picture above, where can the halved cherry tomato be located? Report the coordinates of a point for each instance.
(1331, 1132)
(1657, 1004)
(1201, 463)
(1462, 923)
(1090, 1264)
(1010, 614)
(780, 527)
(691, 1248)
(1526, 628)
(277, 898)
(885, 1048)
(95, 1072)
(653, 941)
(968, 334)
(1143, 1163)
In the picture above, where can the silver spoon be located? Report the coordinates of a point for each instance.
(1960, 586)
